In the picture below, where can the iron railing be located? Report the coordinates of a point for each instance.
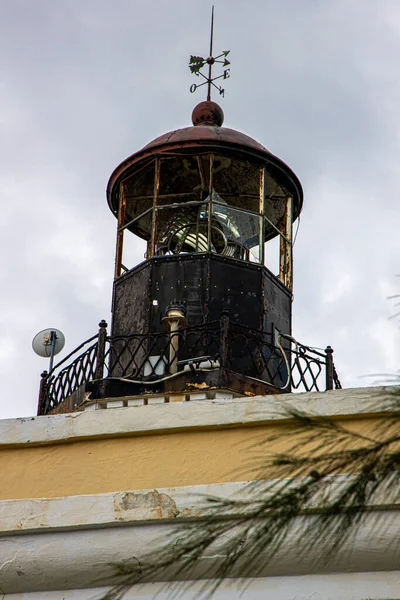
(273, 359)
(149, 356)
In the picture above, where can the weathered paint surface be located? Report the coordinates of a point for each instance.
(144, 505)
(188, 416)
(127, 463)
(64, 532)
(137, 462)
(83, 558)
(343, 586)
(32, 515)
(147, 447)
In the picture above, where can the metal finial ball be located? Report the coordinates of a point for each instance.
(208, 113)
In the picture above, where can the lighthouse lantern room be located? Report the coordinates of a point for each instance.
(207, 314)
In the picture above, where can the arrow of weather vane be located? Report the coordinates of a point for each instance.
(196, 63)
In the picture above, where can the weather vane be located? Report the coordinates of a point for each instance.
(196, 63)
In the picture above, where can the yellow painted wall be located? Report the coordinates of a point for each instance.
(186, 457)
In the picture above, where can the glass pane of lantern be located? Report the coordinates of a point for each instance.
(134, 251)
(139, 200)
(183, 179)
(274, 206)
(242, 232)
(182, 229)
(237, 182)
(272, 252)
(142, 212)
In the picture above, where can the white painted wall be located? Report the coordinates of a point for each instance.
(77, 559)
(351, 586)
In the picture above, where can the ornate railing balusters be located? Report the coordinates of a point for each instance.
(278, 361)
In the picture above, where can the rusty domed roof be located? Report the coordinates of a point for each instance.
(205, 136)
(207, 118)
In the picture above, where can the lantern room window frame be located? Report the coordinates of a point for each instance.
(284, 229)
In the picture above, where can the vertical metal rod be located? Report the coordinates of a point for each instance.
(101, 350)
(210, 191)
(201, 174)
(197, 233)
(156, 192)
(42, 393)
(282, 261)
(210, 55)
(173, 347)
(283, 246)
(261, 210)
(289, 243)
(203, 189)
(329, 368)
(120, 234)
(53, 339)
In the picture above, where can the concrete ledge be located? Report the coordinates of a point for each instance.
(187, 415)
(336, 586)
(82, 559)
(102, 510)
(133, 507)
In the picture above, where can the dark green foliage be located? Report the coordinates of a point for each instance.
(196, 63)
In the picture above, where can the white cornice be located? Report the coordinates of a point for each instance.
(33, 515)
(83, 558)
(199, 414)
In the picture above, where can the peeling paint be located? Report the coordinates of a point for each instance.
(199, 386)
(188, 512)
(149, 505)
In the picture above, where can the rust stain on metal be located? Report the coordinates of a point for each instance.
(199, 386)
(262, 212)
(289, 235)
(157, 166)
(120, 233)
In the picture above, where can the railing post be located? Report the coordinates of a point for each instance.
(101, 350)
(42, 392)
(329, 368)
(224, 340)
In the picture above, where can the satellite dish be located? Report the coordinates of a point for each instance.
(48, 343)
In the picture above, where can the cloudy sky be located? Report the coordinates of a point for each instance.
(85, 83)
